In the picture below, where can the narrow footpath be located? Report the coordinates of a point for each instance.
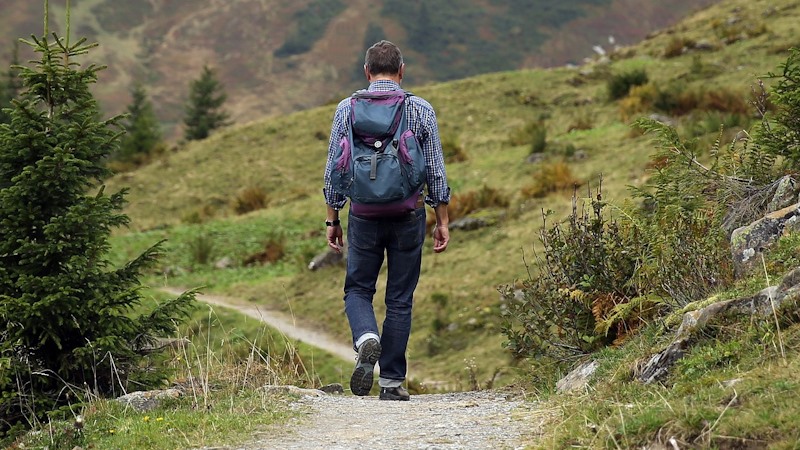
(452, 421)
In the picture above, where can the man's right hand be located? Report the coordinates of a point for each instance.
(441, 237)
(335, 241)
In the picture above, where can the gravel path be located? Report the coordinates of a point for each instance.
(463, 420)
(278, 320)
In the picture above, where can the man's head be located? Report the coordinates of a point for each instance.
(384, 60)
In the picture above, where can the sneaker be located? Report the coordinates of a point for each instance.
(394, 393)
(368, 354)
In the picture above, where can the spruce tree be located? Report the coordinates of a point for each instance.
(143, 134)
(204, 111)
(9, 85)
(69, 320)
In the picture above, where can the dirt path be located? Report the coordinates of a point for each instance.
(460, 420)
(280, 321)
(463, 420)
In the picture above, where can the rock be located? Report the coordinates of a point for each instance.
(750, 241)
(666, 120)
(786, 193)
(761, 304)
(224, 263)
(578, 378)
(327, 258)
(147, 400)
(334, 388)
(468, 224)
(535, 158)
(292, 390)
(657, 367)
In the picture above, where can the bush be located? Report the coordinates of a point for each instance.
(533, 134)
(584, 273)
(453, 151)
(780, 134)
(620, 85)
(465, 203)
(549, 178)
(676, 46)
(250, 199)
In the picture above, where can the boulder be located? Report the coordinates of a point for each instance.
(761, 304)
(748, 242)
(147, 400)
(578, 378)
(467, 224)
(328, 258)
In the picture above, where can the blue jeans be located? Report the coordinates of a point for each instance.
(367, 239)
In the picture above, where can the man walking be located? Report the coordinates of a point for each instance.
(398, 237)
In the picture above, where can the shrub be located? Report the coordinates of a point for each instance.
(676, 46)
(640, 99)
(533, 134)
(274, 250)
(780, 135)
(453, 151)
(463, 204)
(620, 85)
(250, 199)
(549, 178)
(585, 272)
(201, 249)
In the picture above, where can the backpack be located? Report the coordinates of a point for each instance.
(379, 165)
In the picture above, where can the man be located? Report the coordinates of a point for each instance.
(401, 238)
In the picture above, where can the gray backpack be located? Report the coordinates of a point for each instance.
(379, 165)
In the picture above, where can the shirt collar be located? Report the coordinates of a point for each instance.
(383, 86)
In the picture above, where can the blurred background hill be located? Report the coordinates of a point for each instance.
(281, 56)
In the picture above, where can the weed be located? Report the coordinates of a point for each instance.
(201, 249)
(677, 46)
(250, 199)
(452, 149)
(533, 134)
(619, 85)
(551, 177)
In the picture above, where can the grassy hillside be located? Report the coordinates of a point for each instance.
(186, 196)
(280, 56)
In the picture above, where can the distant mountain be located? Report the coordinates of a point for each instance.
(279, 56)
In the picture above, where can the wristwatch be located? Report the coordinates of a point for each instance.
(335, 223)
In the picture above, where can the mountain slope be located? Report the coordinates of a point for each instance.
(186, 196)
(279, 56)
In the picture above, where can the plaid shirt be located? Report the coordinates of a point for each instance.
(421, 120)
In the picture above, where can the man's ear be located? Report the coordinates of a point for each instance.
(366, 73)
(402, 71)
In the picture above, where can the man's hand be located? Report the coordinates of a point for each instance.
(441, 236)
(335, 241)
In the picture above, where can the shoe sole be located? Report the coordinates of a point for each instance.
(361, 381)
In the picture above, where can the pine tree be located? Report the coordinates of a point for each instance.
(204, 111)
(69, 321)
(9, 87)
(143, 134)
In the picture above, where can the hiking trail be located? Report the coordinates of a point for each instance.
(500, 419)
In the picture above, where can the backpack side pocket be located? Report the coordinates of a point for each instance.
(410, 152)
(342, 173)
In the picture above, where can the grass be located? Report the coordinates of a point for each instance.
(285, 156)
(221, 366)
(457, 303)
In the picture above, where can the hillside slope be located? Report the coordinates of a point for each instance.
(187, 195)
(280, 56)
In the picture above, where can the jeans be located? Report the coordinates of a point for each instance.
(401, 239)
